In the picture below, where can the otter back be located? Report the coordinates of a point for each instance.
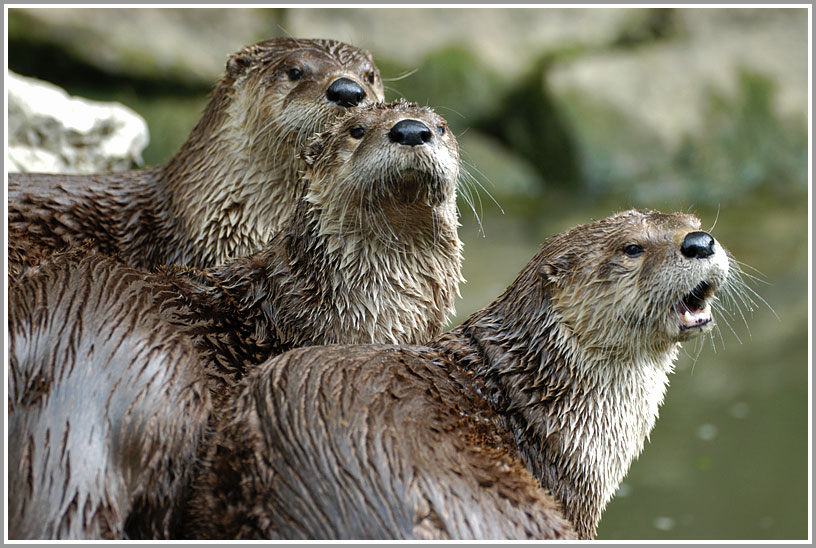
(368, 442)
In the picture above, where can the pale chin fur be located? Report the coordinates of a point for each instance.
(379, 270)
(634, 393)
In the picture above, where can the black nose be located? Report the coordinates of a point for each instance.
(345, 92)
(697, 245)
(410, 132)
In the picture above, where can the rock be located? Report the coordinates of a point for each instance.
(185, 45)
(50, 131)
(506, 40)
(491, 171)
(663, 87)
(439, 80)
(713, 106)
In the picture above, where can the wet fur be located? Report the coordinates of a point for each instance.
(368, 442)
(332, 276)
(520, 423)
(121, 332)
(98, 447)
(227, 189)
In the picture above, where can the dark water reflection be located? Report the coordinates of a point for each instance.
(728, 458)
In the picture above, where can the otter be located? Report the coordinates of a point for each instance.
(518, 424)
(229, 187)
(372, 255)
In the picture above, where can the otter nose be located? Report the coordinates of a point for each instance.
(345, 92)
(410, 132)
(697, 245)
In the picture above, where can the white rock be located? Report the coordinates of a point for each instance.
(50, 131)
(26, 159)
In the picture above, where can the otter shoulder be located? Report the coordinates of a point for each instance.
(385, 429)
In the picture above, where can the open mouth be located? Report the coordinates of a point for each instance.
(694, 310)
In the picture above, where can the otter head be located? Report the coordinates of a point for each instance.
(234, 182)
(290, 89)
(639, 281)
(391, 168)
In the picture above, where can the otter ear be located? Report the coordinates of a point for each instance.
(557, 269)
(237, 65)
(311, 151)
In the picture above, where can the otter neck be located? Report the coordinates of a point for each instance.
(308, 287)
(227, 186)
(578, 419)
(348, 286)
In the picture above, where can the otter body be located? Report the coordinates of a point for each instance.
(104, 418)
(115, 370)
(366, 442)
(229, 187)
(520, 423)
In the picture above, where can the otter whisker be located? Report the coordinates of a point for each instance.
(728, 324)
(454, 111)
(718, 331)
(402, 76)
(393, 90)
(736, 304)
(746, 265)
(480, 185)
(744, 290)
(465, 182)
(716, 218)
(698, 344)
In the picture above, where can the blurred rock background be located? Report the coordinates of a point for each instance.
(565, 115)
(51, 132)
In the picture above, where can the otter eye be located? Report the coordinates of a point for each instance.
(294, 74)
(633, 250)
(441, 130)
(357, 132)
(371, 76)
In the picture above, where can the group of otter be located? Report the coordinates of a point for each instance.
(246, 342)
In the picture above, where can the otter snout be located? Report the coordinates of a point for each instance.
(697, 245)
(345, 92)
(410, 132)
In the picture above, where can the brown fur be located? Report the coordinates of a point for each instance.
(227, 189)
(333, 276)
(123, 351)
(98, 447)
(518, 424)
